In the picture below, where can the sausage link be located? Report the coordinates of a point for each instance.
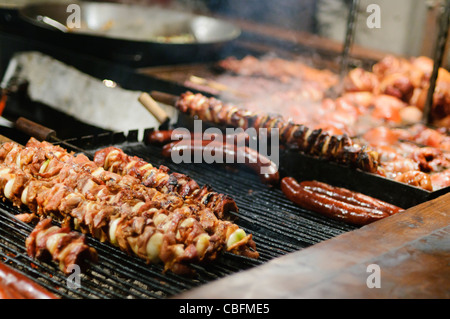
(167, 136)
(14, 285)
(255, 161)
(348, 196)
(159, 137)
(328, 206)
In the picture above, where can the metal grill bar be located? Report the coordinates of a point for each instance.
(261, 203)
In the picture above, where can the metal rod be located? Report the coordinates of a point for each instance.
(349, 37)
(438, 57)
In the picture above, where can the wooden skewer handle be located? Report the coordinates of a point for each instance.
(164, 98)
(4, 139)
(34, 129)
(153, 107)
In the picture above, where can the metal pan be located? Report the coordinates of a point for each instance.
(132, 34)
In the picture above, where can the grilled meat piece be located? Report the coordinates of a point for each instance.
(280, 69)
(416, 178)
(60, 244)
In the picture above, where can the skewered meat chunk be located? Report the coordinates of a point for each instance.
(115, 160)
(296, 136)
(118, 209)
(60, 244)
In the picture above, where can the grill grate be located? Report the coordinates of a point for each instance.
(277, 225)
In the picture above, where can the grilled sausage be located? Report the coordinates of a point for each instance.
(14, 285)
(253, 159)
(328, 206)
(348, 196)
(159, 137)
(167, 136)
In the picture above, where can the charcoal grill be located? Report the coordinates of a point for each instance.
(278, 227)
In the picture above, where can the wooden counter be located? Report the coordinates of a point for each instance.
(412, 250)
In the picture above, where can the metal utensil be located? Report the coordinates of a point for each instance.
(437, 60)
(336, 90)
(52, 23)
(349, 36)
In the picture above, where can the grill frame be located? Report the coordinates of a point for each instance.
(278, 227)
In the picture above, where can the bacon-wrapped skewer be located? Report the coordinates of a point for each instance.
(88, 183)
(297, 136)
(115, 160)
(137, 219)
(61, 244)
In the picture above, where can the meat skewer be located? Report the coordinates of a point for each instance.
(162, 181)
(127, 181)
(68, 248)
(94, 218)
(299, 137)
(141, 221)
(115, 160)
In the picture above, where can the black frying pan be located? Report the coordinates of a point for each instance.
(136, 35)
